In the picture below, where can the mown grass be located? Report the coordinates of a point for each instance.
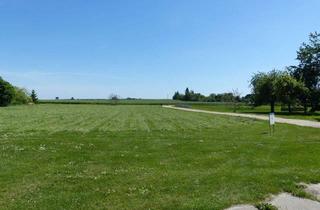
(141, 157)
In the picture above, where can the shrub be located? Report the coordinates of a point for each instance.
(21, 96)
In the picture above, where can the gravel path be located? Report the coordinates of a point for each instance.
(306, 123)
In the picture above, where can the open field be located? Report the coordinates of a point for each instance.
(139, 157)
(110, 102)
(210, 106)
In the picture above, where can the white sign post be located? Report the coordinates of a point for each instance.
(272, 121)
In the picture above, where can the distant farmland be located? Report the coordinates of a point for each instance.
(127, 102)
(241, 107)
(109, 101)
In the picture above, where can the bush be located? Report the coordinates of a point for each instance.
(6, 92)
(21, 96)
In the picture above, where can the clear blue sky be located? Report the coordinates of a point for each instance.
(148, 48)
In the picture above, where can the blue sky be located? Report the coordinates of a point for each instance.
(148, 48)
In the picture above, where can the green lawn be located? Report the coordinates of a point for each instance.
(141, 157)
(242, 108)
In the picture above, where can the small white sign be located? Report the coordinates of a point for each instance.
(272, 119)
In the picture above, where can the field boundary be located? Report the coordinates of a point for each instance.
(304, 123)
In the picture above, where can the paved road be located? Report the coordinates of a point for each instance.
(306, 123)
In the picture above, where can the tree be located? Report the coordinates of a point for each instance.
(187, 95)
(308, 69)
(248, 99)
(303, 97)
(34, 96)
(264, 88)
(227, 97)
(277, 86)
(177, 96)
(114, 98)
(236, 99)
(6, 92)
(219, 97)
(211, 98)
(288, 89)
(21, 96)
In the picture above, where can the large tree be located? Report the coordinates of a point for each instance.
(289, 90)
(6, 92)
(308, 69)
(264, 88)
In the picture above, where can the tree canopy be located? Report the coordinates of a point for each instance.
(276, 86)
(21, 96)
(308, 69)
(6, 92)
(288, 89)
(10, 94)
(190, 95)
(297, 84)
(264, 88)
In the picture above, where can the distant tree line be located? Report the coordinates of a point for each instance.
(10, 94)
(190, 95)
(296, 85)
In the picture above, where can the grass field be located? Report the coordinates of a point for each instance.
(111, 102)
(146, 157)
(211, 106)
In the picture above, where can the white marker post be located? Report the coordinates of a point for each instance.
(272, 121)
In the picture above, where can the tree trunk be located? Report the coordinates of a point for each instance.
(305, 107)
(272, 106)
(313, 107)
(289, 108)
(314, 103)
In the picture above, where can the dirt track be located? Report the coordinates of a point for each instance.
(306, 123)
